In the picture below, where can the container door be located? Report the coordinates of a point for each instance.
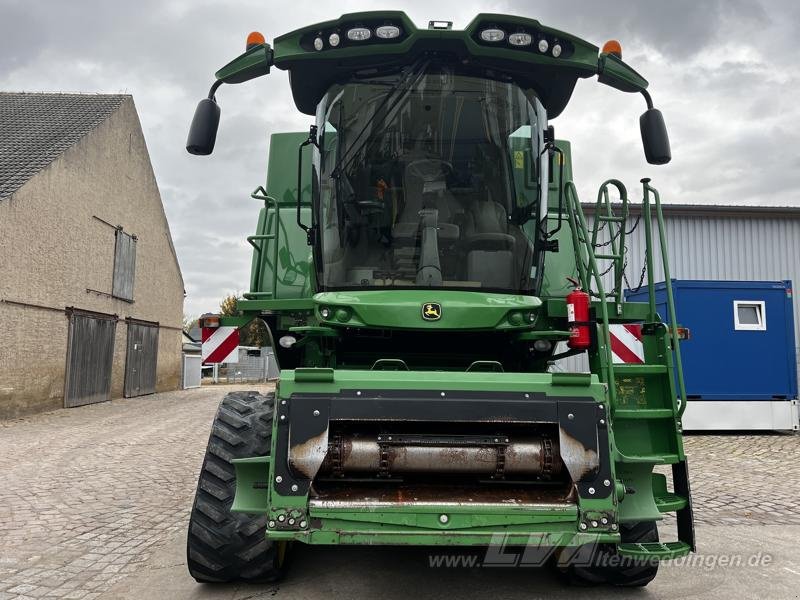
(141, 359)
(90, 356)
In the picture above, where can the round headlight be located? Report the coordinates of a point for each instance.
(520, 39)
(325, 313)
(287, 341)
(493, 35)
(543, 45)
(557, 50)
(359, 34)
(387, 32)
(542, 345)
(333, 39)
(318, 43)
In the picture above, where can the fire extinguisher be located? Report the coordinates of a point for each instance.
(580, 334)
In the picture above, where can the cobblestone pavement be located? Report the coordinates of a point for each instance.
(744, 479)
(89, 494)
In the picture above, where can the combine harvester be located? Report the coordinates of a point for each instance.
(420, 253)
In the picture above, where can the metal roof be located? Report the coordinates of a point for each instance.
(712, 210)
(35, 128)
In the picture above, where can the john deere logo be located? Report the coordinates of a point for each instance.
(431, 311)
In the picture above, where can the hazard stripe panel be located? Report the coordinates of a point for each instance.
(626, 344)
(220, 345)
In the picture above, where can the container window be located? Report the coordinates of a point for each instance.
(749, 315)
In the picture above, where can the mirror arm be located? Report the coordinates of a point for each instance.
(214, 88)
(647, 99)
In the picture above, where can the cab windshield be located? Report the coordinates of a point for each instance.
(430, 178)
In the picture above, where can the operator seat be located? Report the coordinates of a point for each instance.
(489, 245)
(425, 187)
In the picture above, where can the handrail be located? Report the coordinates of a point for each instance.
(647, 191)
(264, 236)
(588, 270)
(604, 214)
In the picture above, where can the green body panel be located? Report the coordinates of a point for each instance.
(289, 247)
(402, 309)
(253, 63)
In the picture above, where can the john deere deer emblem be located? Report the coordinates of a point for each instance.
(431, 311)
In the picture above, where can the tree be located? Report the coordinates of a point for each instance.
(255, 333)
(189, 322)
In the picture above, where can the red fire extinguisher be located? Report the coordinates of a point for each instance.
(580, 335)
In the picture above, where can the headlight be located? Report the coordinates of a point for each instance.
(359, 34)
(334, 40)
(318, 43)
(493, 35)
(543, 45)
(287, 341)
(325, 312)
(557, 50)
(520, 39)
(387, 32)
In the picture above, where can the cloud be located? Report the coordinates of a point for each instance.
(724, 72)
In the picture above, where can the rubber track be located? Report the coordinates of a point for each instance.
(224, 546)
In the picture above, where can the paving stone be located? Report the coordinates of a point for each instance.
(89, 493)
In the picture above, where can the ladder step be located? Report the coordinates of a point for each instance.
(643, 413)
(658, 550)
(607, 256)
(626, 369)
(611, 219)
(670, 502)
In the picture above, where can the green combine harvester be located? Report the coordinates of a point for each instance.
(420, 254)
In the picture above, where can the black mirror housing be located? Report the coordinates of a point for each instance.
(203, 131)
(654, 137)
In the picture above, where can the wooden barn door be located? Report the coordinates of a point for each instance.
(142, 358)
(90, 356)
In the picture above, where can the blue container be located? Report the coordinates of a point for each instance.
(742, 337)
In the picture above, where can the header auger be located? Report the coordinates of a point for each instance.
(420, 254)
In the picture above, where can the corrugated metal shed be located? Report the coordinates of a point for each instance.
(719, 243)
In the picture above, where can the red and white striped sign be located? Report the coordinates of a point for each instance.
(626, 344)
(220, 345)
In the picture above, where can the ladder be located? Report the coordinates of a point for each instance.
(261, 242)
(644, 399)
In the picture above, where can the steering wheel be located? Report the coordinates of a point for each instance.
(429, 169)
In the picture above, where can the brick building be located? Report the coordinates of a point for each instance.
(91, 293)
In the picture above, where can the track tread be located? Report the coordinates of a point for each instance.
(224, 546)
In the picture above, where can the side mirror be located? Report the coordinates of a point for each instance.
(654, 137)
(203, 131)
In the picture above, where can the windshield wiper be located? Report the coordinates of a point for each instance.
(396, 95)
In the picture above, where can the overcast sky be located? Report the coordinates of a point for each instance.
(725, 73)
